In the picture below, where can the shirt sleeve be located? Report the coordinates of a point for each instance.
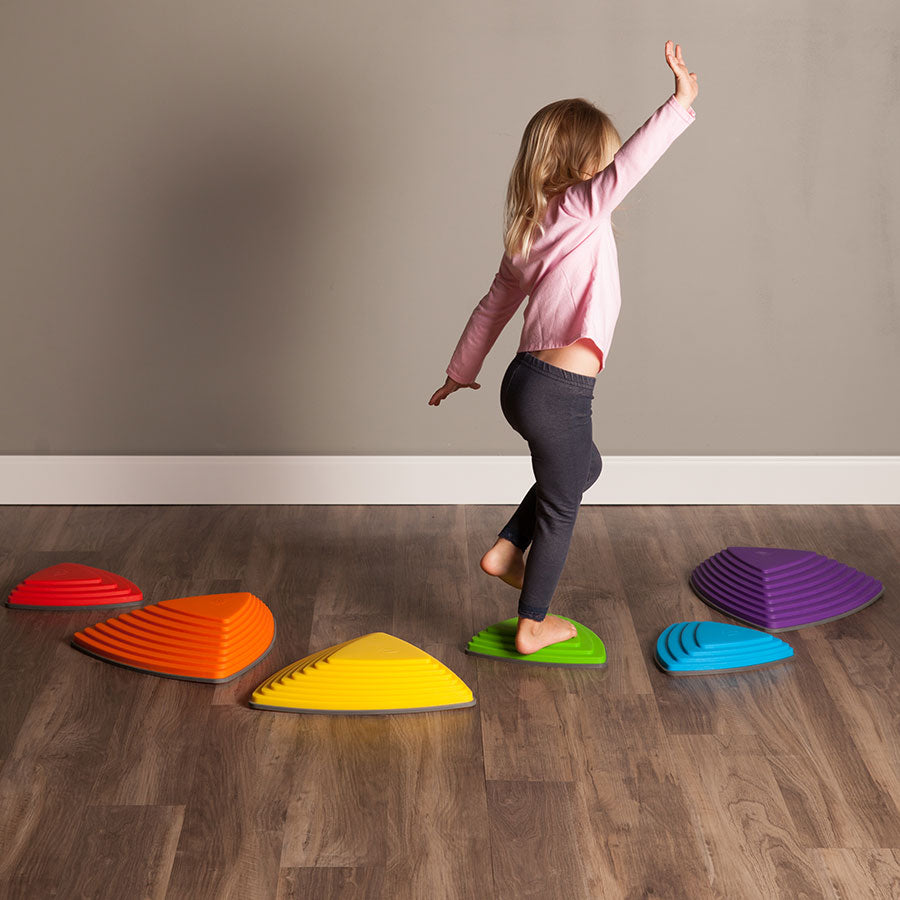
(485, 324)
(634, 159)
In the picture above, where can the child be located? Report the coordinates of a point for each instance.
(571, 172)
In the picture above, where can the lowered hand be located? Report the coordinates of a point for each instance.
(442, 393)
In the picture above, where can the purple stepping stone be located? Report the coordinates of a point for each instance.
(861, 588)
(769, 560)
(830, 585)
(810, 570)
(776, 589)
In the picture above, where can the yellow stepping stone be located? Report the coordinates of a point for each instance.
(369, 675)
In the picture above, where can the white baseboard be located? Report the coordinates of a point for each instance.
(428, 480)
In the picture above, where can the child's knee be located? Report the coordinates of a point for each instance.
(560, 510)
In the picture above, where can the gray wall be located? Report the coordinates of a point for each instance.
(254, 228)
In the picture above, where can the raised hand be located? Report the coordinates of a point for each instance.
(686, 87)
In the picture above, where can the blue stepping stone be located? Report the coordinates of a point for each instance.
(696, 648)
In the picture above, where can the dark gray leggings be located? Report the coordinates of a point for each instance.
(551, 408)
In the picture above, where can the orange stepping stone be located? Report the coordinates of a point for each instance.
(212, 637)
(74, 586)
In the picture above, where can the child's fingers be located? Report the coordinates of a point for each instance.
(672, 60)
(674, 56)
(442, 393)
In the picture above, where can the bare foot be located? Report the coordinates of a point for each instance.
(506, 561)
(531, 636)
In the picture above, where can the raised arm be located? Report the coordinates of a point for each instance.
(634, 159)
(606, 190)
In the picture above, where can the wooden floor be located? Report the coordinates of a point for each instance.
(624, 782)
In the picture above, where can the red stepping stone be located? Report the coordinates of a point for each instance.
(74, 586)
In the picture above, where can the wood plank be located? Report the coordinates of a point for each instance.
(737, 812)
(859, 812)
(334, 883)
(32, 529)
(439, 839)
(35, 826)
(155, 744)
(524, 715)
(157, 541)
(53, 763)
(341, 794)
(131, 849)
(861, 677)
(630, 786)
(29, 641)
(534, 840)
(858, 874)
(233, 829)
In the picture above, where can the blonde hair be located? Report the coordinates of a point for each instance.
(565, 142)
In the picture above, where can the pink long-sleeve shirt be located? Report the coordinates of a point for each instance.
(572, 273)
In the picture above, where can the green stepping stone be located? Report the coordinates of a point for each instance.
(499, 641)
